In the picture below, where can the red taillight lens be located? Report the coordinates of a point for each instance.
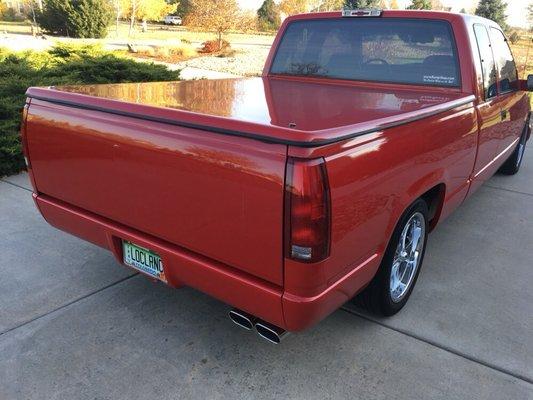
(307, 210)
(23, 137)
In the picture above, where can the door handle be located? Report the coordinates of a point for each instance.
(503, 114)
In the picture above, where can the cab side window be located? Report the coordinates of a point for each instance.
(507, 75)
(487, 60)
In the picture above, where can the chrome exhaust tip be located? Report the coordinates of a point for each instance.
(243, 319)
(270, 332)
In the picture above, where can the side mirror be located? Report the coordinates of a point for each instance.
(529, 83)
(526, 84)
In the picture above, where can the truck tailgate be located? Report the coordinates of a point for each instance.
(217, 195)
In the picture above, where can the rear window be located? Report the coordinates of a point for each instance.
(394, 50)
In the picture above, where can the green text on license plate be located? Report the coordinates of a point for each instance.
(143, 259)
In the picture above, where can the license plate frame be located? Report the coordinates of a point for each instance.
(143, 260)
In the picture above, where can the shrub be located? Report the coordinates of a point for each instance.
(168, 53)
(514, 37)
(212, 46)
(76, 18)
(9, 14)
(65, 64)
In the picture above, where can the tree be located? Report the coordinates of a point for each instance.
(291, 7)
(394, 5)
(494, 10)
(33, 8)
(355, 4)
(420, 5)
(437, 5)
(217, 16)
(183, 8)
(151, 10)
(463, 11)
(329, 5)
(76, 18)
(530, 16)
(268, 16)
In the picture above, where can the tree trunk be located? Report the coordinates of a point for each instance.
(132, 24)
(219, 40)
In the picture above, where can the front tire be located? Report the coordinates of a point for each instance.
(393, 284)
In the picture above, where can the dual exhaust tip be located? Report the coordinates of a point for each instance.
(269, 332)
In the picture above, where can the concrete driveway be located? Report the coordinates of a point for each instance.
(76, 325)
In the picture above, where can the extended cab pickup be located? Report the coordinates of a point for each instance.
(287, 195)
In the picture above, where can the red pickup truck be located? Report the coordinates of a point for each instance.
(287, 195)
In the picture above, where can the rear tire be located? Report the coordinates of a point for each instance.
(513, 163)
(393, 284)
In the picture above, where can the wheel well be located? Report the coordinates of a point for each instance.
(434, 198)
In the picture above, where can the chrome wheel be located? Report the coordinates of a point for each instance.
(407, 256)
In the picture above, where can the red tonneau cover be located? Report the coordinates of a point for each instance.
(300, 112)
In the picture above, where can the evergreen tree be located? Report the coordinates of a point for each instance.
(357, 4)
(91, 18)
(75, 18)
(494, 10)
(184, 7)
(268, 16)
(420, 5)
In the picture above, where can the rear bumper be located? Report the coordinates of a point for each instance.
(182, 267)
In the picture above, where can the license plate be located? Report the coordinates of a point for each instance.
(143, 260)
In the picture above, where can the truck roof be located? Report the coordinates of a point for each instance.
(422, 14)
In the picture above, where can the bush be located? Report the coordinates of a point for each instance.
(167, 53)
(62, 65)
(514, 37)
(76, 18)
(212, 46)
(8, 14)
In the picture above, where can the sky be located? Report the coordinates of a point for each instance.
(516, 9)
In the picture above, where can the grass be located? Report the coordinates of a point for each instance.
(520, 52)
(155, 32)
(64, 64)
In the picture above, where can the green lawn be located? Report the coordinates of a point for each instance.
(155, 32)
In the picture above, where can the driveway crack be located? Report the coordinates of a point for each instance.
(441, 346)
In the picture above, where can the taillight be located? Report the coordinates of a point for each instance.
(307, 210)
(23, 138)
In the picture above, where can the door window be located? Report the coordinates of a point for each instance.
(487, 60)
(507, 75)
